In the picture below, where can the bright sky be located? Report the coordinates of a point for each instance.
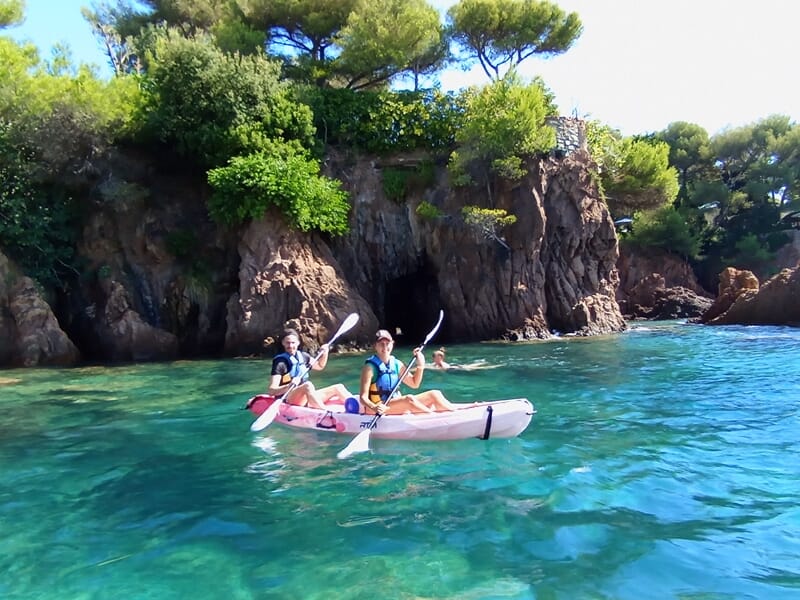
(639, 65)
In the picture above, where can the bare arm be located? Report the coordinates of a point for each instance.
(278, 389)
(363, 391)
(275, 387)
(414, 380)
(323, 359)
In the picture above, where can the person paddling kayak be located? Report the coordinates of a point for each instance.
(288, 367)
(380, 375)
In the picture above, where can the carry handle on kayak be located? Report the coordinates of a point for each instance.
(360, 443)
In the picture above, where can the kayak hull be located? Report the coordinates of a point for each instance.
(485, 420)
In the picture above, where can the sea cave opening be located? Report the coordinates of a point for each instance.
(411, 308)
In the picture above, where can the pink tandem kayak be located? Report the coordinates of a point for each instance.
(484, 420)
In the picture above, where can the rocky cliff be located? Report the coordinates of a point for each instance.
(658, 285)
(743, 301)
(555, 271)
(162, 281)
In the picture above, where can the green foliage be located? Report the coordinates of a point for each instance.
(211, 106)
(56, 121)
(11, 12)
(761, 159)
(398, 182)
(603, 143)
(354, 44)
(750, 173)
(488, 221)
(285, 179)
(182, 244)
(301, 27)
(234, 36)
(690, 153)
(426, 210)
(385, 122)
(394, 183)
(751, 253)
(385, 38)
(636, 176)
(63, 120)
(502, 33)
(665, 228)
(36, 228)
(113, 28)
(504, 123)
(191, 15)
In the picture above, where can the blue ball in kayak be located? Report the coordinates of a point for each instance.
(352, 406)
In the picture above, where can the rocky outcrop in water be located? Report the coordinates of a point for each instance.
(732, 284)
(658, 285)
(555, 268)
(742, 301)
(162, 281)
(30, 335)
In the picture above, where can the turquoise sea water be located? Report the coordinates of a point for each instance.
(662, 463)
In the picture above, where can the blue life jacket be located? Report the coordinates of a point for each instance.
(386, 378)
(295, 362)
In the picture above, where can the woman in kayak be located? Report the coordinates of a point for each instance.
(290, 368)
(381, 374)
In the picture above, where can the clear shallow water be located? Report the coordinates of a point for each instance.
(662, 463)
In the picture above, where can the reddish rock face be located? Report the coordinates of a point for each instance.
(658, 285)
(732, 284)
(553, 269)
(287, 278)
(144, 297)
(742, 301)
(580, 251)
(125, 335)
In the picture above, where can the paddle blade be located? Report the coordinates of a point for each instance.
(435, 328)
(267, 417)
(348, 324)
(360, 443)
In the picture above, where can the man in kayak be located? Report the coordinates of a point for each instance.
(290, 368)
(380, 375)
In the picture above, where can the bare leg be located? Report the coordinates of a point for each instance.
(305, 395)
(435, 400)
(326, 393)
(404, 404)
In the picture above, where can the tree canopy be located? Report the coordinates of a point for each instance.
(500, 34)
(635, 173)
(211, 106)
(503, 124)
(248, 91)
(384, 39)
(12, 12)
(690, 153)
